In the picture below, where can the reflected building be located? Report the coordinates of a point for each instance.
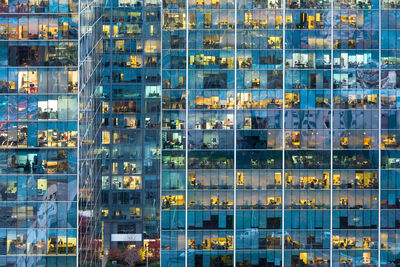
(47, 107)
(279, 133)
(90, 68)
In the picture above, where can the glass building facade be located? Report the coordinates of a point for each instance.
(131, 122)
(279, 133)
(90, 54)
(47, 71)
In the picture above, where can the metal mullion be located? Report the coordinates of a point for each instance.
(379, 133)
(186, 129)
(161, 127)
(331, 147)
(283, 129)
(234, 143)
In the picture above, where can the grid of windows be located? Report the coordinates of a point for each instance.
(39, 122)
(307, 133)
(131, 120)
(89, 108)
(279, 125)
(355, 175)
(38, 132)
(389, 182)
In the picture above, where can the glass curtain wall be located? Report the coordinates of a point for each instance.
(259, 111)
(174, 125)
(355, 181)
(390, 157)
(280, 147)
(39, 118)
(210, 93)
(307, 133)
(38, 132)
(90, 89)
(131, 120)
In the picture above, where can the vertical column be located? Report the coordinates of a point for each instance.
(161, 138)
(259, 103)
(356, 133)
(186, 132)
(235, 143)
(131, 101)
(107, 117)
(283, 129)
(174, 124)
(151, 123)
(331, 140)
(390, 130)
(89, 119)
(210, 133)
(307, 132)
(380, 133)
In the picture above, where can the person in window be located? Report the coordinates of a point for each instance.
(13, 248)
(3, 189)
(52, 245)
(13, 163)
(41, 167)
(27, 167)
